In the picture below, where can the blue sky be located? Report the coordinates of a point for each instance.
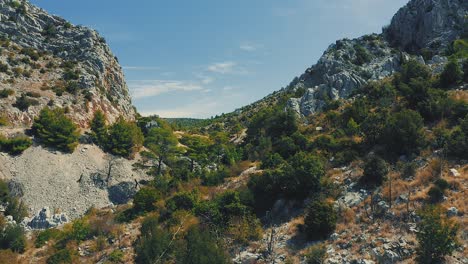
(207, 57)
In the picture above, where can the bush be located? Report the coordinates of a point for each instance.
(3, 121)
(182, 201)
(436, 236)
(316, 254)
(375, 171)
(81, 230)
(23, 102)
(116, 256)
(99, 131)
(6, 92)
(145, 199)
(404, 133)
(362, 55)
(457, 143)
(152, 242)
(17, 209)
(12, 237)
(320, 219)
(16, 145)
(125, 138)
(436, 194)
(62, 256)
(201, 247)
(452, 74)
(55, 130)
(45, 236)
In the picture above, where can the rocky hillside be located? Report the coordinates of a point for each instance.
(45, 60)
(422, 29)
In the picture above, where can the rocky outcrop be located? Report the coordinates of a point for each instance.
(44, 219)
(345, 66)
(348, 65)
(100, 81)
(429, 24)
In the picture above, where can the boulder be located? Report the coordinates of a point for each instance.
(454, 173)
(44, 219)
(452, 211)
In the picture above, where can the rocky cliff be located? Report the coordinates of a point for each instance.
(47, 60)
(422, 27)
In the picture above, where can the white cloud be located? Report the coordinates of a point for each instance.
(198, 109)
(223, 67)
(248, 47)
(148, 88)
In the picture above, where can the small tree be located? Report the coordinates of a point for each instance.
(125, 138)
(153, 242)
(452, 74)
(375, 171)
(404, 133)
(56, 130)
(202, 248)
(162, 143)
(320, 219)
(99, 131)
(436, 236)
(145, 199)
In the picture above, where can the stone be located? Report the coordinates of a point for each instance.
(350, 199)
(44, 219)
(402, 198)
(122, 192)
(452, 211)
(454, 172)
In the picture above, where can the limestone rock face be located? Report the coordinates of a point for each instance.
(429, 24)
(348, 65)
(345, 66)
(100, 84)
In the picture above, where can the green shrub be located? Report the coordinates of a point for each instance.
(17, 209)
(145, 199)
(316, 254)
(70, 74)
(409, 170)
(12, 237)
(436, 194)
(182, 201)
(16, 145)
(23, 102)
(457, 142)
(201, 247)
(152, 242)
(6, 92)
(215, 177)
(4, 67)
(375, 171)
(404, 133)
(81, 230)
(45, 236)
(320, 219)
(436, 236)
(125, 138)
(452, 74)
(99, 129)
(63, 256)
(116, 256)
(362, 55)
(55, 130)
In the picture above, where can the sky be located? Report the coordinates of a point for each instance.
(202, 58)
